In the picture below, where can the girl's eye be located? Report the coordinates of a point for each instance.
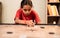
(25, 10)
(29, 9)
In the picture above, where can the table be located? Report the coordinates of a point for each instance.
(22, 31)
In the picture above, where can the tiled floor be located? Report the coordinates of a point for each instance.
(39, 31)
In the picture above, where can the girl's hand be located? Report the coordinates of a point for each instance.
(30, 23)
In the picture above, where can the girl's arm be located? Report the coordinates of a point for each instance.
(30, 23)
(17, 20)
(37, 18)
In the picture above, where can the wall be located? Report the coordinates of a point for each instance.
(10, 7)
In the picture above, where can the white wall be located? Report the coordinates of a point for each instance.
(10, 7)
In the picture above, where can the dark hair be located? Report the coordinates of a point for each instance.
(26, 2)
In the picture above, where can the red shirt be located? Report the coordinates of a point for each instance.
(32, 16)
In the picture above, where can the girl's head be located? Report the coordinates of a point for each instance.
(26, 5)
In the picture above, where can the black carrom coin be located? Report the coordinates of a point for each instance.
(42, 27)
(51, 33)
(9, 32)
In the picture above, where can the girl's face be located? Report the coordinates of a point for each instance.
(27, 9)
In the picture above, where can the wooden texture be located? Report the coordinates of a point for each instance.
(39, 31)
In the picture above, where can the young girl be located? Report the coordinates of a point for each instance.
(26, 15)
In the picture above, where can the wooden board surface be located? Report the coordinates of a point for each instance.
(19, 31)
